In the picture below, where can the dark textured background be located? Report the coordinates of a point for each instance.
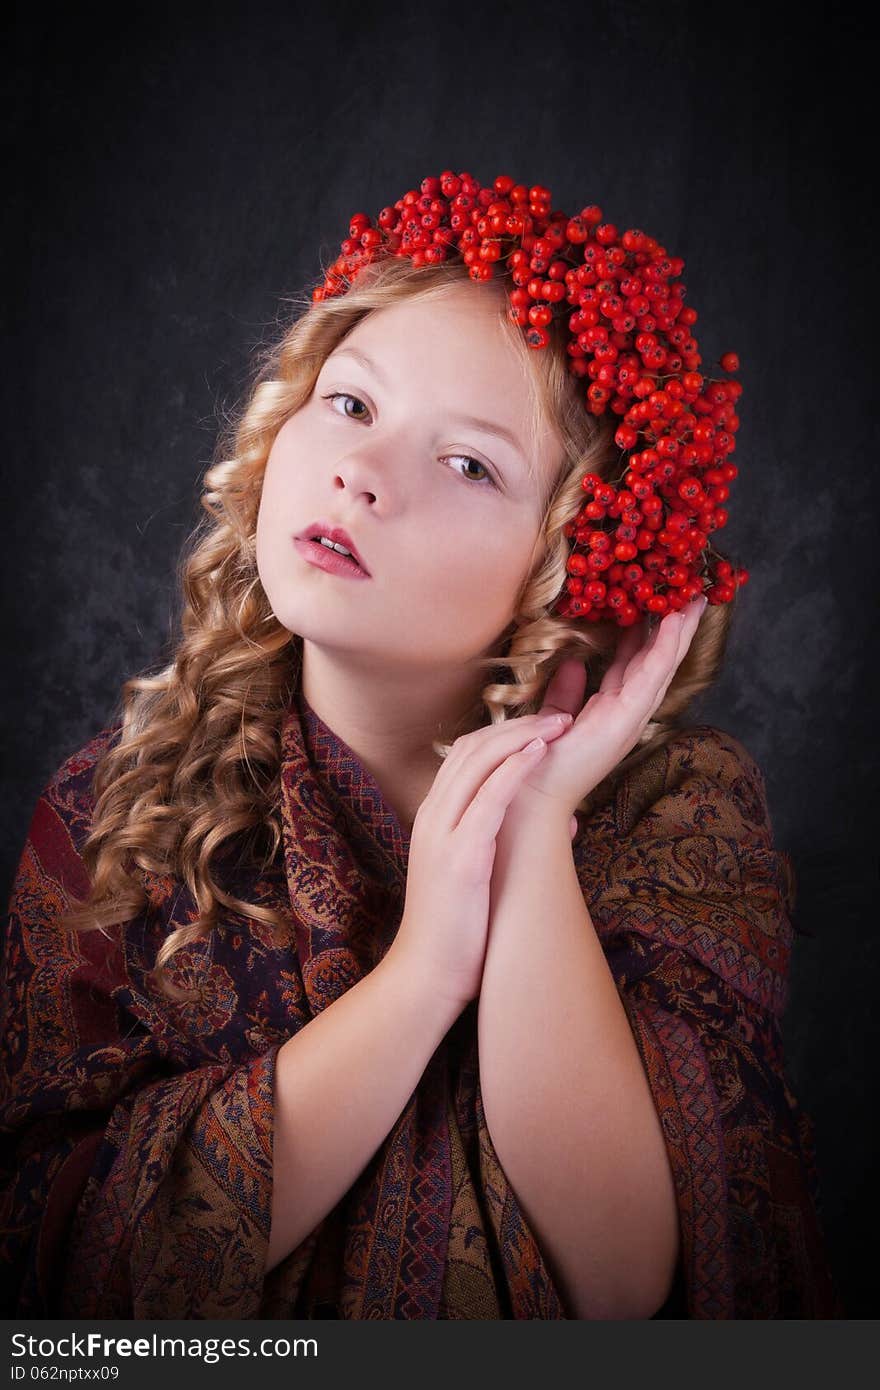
(174, 176)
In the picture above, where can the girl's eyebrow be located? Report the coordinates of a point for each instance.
(475, 421)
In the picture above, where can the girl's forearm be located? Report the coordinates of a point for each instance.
(565, 1094)
(340, 1084)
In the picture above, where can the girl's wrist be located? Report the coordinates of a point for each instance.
(537, 817)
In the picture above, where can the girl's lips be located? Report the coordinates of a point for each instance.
(330, 560)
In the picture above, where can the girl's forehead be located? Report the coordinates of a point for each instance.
(456, 340)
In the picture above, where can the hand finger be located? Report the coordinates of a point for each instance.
(482, 818)
(629, 645)
(647, 681)
(689, 618)
(478, 754)
(566, 687)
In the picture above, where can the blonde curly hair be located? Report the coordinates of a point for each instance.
(196, 764)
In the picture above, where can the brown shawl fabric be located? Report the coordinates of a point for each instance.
(137, 1133)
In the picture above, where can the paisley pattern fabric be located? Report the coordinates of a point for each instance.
(137, 1133)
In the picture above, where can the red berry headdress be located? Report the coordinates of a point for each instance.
(637, 548)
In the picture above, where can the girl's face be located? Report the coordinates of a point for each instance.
(444, 511)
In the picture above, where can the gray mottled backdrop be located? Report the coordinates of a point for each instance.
(175, 175)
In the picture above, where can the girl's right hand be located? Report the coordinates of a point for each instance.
(445, 923)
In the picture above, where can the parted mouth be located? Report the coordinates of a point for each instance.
(326, 530)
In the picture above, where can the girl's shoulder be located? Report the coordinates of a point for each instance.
(704, 758)
(78, 768)
(62, 816)
(682, 853)
(703, 780)
(715, 749)
(688, 766)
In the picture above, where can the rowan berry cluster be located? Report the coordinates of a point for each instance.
(640, 544)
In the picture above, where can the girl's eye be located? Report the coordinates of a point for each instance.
(466, 458)
(345, 396)
(337, 395)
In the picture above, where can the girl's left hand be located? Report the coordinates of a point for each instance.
(609, 724)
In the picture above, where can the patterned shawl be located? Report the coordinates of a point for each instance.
(136, 1171)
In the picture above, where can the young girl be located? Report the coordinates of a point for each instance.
(399, 951)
